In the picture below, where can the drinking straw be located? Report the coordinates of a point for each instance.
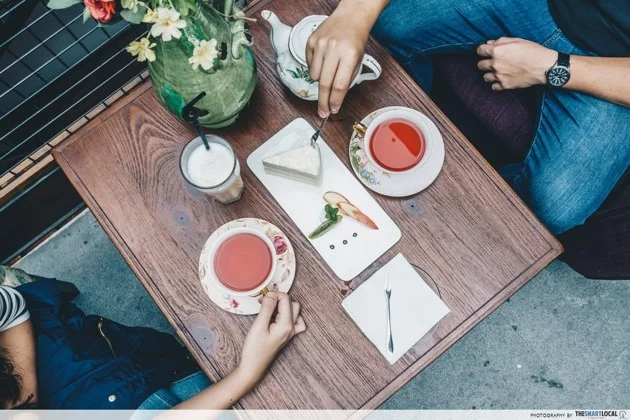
(191, 114)
(204, 139)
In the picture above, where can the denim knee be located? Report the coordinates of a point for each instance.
(554, 200)
(398, 27)
(391, 34)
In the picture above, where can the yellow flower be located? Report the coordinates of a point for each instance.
(150, 16)
(142, 49)
(167, 24)
(204, 54)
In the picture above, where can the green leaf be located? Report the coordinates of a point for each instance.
(132, 17)
(307, 76)
(355, 163)
(86, 15)
(293, 74)
(331, 212)
(183, 6)
(62, 4)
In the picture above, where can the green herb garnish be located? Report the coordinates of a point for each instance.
(332, 218)
(332, 213)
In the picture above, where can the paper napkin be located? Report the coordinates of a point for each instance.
(415, 308)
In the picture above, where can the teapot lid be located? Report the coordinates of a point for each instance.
(300, 34)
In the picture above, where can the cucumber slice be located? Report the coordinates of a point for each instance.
(324, 228)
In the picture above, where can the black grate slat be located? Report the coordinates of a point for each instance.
(53, 69)
(62, 85)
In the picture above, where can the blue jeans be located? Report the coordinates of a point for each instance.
(177, 392)
(581, 145)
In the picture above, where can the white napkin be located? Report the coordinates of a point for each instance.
(415, 308)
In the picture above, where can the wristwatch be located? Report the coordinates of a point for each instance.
(560, 73)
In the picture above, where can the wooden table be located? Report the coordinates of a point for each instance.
(468, 231)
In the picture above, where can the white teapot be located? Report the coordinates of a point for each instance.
(290, 46)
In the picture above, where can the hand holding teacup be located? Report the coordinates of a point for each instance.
(279, 320)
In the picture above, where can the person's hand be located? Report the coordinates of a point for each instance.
(269, 334)
(333, 53)
(513, 63)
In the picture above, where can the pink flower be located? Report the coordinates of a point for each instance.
(279, 244)
(234, 304)
(101, 10)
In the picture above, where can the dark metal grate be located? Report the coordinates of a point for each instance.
(56, 73)
(53, 70)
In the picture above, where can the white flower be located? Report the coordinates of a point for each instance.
(150, 16)
(204, 54)
(167, 24)
(142, 49)
(132, 4)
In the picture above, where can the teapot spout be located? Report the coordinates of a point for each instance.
(279, 31)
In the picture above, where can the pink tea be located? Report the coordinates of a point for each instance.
(397, 145)
(243, 262)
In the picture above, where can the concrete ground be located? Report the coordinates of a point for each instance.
(559, 342)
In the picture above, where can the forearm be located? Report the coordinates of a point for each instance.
(222, 395)
(606, 78)
(367, 11)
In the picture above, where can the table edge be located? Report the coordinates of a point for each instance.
(461, 330)
(135, 265)
(171, 315)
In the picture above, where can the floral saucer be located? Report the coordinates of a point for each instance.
(281, 281)
(391, 184)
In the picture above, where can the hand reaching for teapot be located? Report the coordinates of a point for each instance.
(335, 50)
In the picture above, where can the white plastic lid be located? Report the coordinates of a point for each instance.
(300, 34)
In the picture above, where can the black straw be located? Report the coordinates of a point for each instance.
(191, 114)
(203, 136)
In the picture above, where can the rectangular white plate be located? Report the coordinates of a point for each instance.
(304, 204)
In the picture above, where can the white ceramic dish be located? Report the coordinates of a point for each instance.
(405, 114)
(350, 247)
(397, 184)
(283, 277)
(213, 252)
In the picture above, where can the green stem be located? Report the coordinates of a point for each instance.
(235, 17)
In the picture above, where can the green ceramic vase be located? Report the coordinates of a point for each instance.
(228, 84)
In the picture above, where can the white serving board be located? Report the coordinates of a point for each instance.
(304, 204)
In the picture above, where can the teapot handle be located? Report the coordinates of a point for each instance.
(371, 63)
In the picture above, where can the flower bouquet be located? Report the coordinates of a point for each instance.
(191, 46)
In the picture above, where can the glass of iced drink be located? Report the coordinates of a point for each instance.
(215, 172)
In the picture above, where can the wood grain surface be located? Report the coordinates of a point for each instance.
(468, 231)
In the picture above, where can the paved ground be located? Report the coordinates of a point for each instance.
(559, 342)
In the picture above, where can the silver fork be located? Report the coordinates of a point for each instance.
(388, 295)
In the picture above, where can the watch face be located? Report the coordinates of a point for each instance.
(558, 76)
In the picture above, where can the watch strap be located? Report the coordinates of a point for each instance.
(563, 59)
